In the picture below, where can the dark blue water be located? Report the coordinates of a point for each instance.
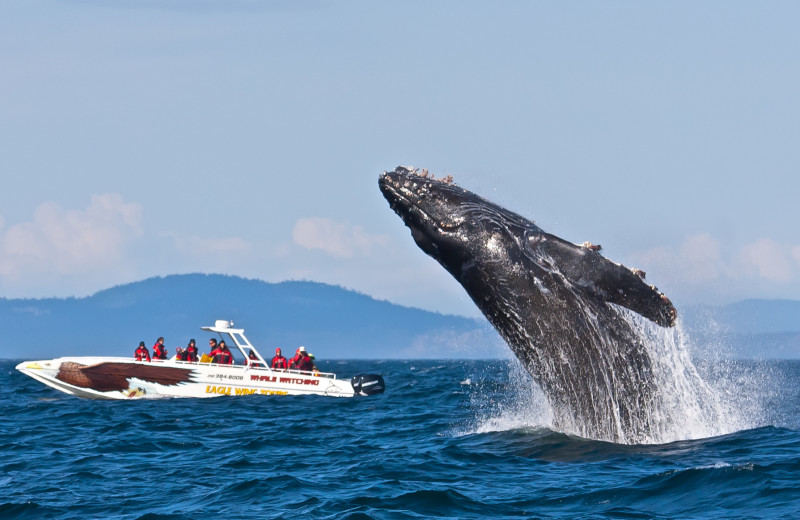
(449, 439)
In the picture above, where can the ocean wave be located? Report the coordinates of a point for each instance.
(428, 447)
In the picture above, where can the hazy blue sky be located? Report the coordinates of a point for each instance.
(144, 137)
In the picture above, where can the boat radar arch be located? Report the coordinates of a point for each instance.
(221, 326)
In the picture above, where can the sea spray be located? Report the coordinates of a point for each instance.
(508, 401)
(686, 404)
(749, 391)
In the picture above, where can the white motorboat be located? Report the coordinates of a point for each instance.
(126, 378)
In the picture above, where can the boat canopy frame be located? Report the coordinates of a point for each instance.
(245, 347)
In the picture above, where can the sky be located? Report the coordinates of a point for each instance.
(144, 138)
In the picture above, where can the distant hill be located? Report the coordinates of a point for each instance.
(331, 322)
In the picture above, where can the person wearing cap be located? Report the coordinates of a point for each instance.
(159, 350)
(305, 363)
(191, 351)
(279, 362)
(141, 354)
(314, 368)
(298, 355)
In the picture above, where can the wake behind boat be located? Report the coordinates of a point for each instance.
(125, 378)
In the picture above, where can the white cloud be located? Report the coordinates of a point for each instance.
(696, 260)
(701, 259)
(796, 254)
(771, 259)
(69, 242)
(337, 239)
(707, 269)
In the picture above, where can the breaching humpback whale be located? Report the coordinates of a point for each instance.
(558, 305)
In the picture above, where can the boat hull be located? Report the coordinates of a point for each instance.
(124, 378)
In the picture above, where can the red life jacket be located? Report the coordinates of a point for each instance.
(142, 354)
(159, 351)
(191, 353)
(305, 364)
(223, 357)
(253, 360)
(280, 362)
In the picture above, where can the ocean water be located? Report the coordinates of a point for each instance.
(448, 439)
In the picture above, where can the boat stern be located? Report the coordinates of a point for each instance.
(368, 384)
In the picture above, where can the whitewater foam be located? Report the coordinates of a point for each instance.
(690, 403)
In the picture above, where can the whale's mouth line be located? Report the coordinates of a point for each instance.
(406, 199)
(405, 207)
(406, 195)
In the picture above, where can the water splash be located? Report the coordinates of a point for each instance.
(688, 403)
(509, 401)
(685, 405)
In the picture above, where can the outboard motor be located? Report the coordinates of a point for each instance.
(368, 384)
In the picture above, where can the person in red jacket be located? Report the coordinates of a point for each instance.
(191, 351)
(215, 350)
(253, 360)
(141, 354)
(279, 362)
(159, 350)
(223, 356)
(180, 354)
(306, 363)
(298, 355)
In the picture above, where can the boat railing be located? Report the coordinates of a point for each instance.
(291, 371)
(315, 373)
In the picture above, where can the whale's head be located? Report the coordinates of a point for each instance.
(494, 252)
(451, 224)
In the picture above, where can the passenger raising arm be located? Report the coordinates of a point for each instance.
(305, 363)
(298, 355)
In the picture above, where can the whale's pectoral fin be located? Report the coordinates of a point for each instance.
(626, 288)
(610, 281)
